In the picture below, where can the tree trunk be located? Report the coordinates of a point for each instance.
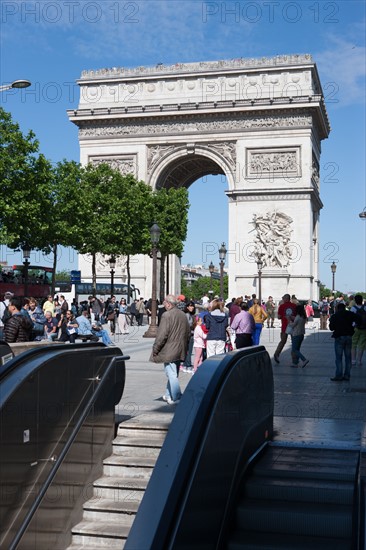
(94, 274)
(54, 269)
(128, 300)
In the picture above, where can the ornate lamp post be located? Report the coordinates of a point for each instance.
(222, 256)
(260, 267)
(26, 255)
(112, 263)
(333, 268)
(211, 269)
(16, 84)
(155, 236)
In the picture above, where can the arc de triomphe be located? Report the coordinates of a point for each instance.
(259, 122)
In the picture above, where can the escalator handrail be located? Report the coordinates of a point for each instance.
(65, 449)
(23, 357)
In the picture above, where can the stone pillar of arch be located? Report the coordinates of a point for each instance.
(259, 122)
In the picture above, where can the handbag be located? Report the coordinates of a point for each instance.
(289, 329)
(110, 316)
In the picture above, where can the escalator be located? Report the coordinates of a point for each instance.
(297, 498)
(225, 479)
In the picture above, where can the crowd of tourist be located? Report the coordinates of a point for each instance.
(25, 320)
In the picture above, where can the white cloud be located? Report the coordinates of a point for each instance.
(342, 66)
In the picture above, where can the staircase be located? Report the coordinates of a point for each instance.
(297, 499)
(109, 514)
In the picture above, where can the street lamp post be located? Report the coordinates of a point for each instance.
(211, 269)
(155, 236)
(112, 263)
(26, 255)
(333, 268)
(260, 267)
(222, 256)
(16, 84)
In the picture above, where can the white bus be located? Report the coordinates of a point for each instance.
(82, 291)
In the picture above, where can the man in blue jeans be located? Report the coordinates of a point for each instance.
(170, 346)
(342, 324)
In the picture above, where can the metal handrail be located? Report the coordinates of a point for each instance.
(63, 453)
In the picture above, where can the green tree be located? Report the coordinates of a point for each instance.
(171, 214)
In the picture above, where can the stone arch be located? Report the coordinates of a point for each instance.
(185, 165)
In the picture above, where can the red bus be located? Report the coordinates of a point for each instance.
(12, 279)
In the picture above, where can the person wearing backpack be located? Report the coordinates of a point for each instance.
(4, 312)
(324, 313)
(359, 336)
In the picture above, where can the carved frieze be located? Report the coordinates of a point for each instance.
(226, 149)
(126, 164)
(284, 162)
(211, 124)
(156, 153)
(315, 172)
(272, 239)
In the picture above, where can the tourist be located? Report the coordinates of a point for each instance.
(68, 326)
(199, 337)
(342, 324)
(297, 331)
(170, 346)
(122, 319)
(270, 310)
(18, 327)
(259, 317)
(190, 312)
(286, 313)
(244, 326)
(49, 305)
(359, 336)
(50, 326)
(4, 312)
(216, 322)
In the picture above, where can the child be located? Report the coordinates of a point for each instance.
(199, 343)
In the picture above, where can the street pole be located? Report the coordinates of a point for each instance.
(222, 256)
(26, 255)
(112, 263)
(155, 236)
(260, 267)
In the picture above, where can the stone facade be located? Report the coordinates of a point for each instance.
(259, 122)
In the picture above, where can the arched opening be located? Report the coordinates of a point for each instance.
(207, 183)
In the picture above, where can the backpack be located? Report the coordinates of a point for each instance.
(362, 313)
(6, 314)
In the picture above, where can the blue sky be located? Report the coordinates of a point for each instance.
(51, 42)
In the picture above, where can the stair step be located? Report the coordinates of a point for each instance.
(130, 466)
(244, 540)
(119, 489)
(306, 463)
(102, 509)
(152, 451)
(104, 534)
(146, 433)
(152, 440)
(302, 490)
(295, 518)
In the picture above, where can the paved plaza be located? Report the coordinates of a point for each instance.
(309, 408)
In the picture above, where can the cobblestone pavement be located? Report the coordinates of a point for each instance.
(307, 404)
